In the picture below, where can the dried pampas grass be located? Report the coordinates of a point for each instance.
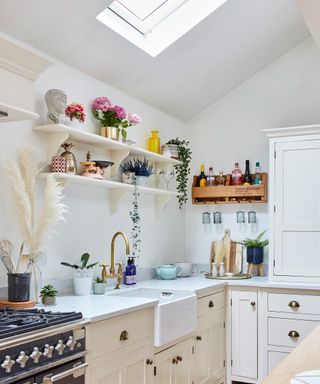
(22, 176)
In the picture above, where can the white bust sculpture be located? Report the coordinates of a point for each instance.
(56, 103)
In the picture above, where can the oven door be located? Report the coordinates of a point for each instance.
(70, 373)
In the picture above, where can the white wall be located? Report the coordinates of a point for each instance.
(286, 93)
(89, 225)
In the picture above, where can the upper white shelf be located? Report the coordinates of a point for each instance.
(12, 113)
(61, 132)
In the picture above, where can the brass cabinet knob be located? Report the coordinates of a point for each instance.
(294, 304)
(124, 336)
(199, 338)
(294, 334)
(179, 358)
(253, 303)
(149, 362)
(174, 361)
(211, 305)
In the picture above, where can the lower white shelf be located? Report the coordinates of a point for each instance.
(117, 189)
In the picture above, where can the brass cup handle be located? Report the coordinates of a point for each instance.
(175, 361)
(124, 336)
(294, 334)
(294, 304)
(199, 338)
(179, 358)
(149, 362)
(211, 305)
(253, 303)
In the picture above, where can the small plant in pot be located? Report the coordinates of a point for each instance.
(141, 168)
(255, 248)
(99, 286)
(82, 279)
(48, 295)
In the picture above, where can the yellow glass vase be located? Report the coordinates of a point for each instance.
(154, 142)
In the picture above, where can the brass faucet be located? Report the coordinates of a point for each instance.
(119, 274)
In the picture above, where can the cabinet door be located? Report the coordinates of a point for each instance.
(175, 365)
(218, 343)
(297, 215)
(244, 334)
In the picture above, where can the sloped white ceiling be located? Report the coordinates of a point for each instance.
(217, 55)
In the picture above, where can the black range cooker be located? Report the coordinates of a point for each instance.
(42, 347)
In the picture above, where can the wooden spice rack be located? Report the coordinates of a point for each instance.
(230, 194)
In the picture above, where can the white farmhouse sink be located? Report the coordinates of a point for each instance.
(175, 315)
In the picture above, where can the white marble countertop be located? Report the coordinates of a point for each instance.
(100, 307)
(311, 377)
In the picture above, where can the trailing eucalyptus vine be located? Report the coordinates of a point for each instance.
(135, 230)
(182, 170)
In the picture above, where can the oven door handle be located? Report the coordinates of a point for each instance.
(62, 375)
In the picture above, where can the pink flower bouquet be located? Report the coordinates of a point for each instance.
(111, 115)
(75, 111)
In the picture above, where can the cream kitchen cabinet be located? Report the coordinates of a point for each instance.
(175, 365)
(210, 339)
(121, 349)
(244, 335)
(294, 229)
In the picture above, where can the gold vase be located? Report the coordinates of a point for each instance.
(110, 132)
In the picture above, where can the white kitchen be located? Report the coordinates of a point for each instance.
(160, 210)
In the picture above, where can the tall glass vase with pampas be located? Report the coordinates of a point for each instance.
(35, 229)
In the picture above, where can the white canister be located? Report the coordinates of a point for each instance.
(221, 269)
(214, 271)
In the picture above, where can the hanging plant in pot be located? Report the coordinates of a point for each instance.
(141, 169)
(82, 279)
(255, 248)
(183, 170)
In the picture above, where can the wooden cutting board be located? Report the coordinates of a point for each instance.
(17, 305)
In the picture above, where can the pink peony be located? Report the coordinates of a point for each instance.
(101, 104)
(133, 118)
(119, 112)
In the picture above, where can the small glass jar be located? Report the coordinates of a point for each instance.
(154, 142)
(220, 180)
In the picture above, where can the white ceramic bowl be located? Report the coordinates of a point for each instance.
(187, 269)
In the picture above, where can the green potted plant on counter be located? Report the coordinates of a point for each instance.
(82, 278)
(99, 286)
(255, 248)
(48, 295)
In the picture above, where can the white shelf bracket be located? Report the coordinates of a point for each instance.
(116, 195)
(117, 157)
(54, 142)
(160, 202)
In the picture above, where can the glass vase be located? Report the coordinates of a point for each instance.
(154, 142)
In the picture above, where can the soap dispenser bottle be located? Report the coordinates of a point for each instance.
(129, 277)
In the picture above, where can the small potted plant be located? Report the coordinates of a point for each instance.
(142, 169)
(82, 279)
(99, 286)
(255, 248)
(76, 114)
(113, 118)
(48, 295)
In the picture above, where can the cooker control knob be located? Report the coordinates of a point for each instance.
(60, 347)
(48, 351)
(35, 355)
(71, 343)
(7, 364)
(22, 359)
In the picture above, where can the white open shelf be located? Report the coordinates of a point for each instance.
(59, 133)
(117, 189)
(12, 113)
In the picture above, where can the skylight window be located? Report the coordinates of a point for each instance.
(153, 25)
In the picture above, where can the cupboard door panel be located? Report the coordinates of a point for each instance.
(204, 352)
(275, 358)
(297, 215)
(244, 334)
(218, 342)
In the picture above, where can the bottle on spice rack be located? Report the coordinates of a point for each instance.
(247, 180)
(257, 174)
(236, 175)
(210, 178)
(220, 180)
(202, 177)
(129, 276)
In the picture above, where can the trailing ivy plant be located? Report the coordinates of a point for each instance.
(135, 230)
(183, 170)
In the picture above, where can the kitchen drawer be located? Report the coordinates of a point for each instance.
(106, 335)
(291, 303)
(275, 358)
(278, 331)
(209, 303)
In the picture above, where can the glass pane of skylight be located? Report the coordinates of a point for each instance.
(142, 8)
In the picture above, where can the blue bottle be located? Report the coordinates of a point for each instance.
(129, 276)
